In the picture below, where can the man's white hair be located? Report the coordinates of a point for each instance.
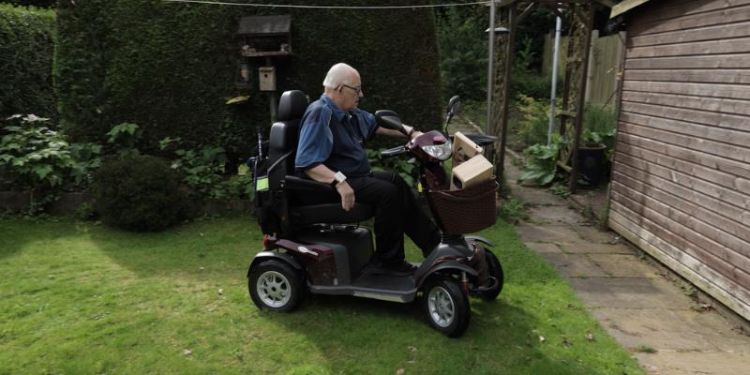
(338, 75)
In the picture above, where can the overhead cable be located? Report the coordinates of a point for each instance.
(350, 7)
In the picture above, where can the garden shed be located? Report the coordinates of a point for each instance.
(681, 174)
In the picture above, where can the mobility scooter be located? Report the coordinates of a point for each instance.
(323, 249)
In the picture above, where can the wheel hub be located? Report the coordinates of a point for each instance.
(441, 306)
(273, 289)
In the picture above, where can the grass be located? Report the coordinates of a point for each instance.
(76, 298)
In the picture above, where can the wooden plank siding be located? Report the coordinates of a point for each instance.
(681, 171)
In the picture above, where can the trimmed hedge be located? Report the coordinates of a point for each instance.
(170, 67)
(26, 49)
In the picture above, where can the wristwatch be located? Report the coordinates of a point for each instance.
(338, 178)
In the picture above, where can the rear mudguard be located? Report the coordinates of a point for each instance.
(265, 255)
(447, 267)
(480, 239)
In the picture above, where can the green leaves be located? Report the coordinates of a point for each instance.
(541, 162)
(36, 157)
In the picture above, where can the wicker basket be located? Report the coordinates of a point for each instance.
(466, 210)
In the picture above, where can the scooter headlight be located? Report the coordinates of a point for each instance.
(440, 152)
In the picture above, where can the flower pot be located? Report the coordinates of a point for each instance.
(592, 163)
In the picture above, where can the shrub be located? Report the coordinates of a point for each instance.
(33, 156)
(541, 162)
(532, 84)
(26, 49)
(140, 193)
(463, 51)
(534, 123)
(599, 125)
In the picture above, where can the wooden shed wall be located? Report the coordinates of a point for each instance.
(681, 176)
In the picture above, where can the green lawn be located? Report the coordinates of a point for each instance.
(76, 298)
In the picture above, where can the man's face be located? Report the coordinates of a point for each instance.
(351, 93)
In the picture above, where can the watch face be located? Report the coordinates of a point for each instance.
(339, 177)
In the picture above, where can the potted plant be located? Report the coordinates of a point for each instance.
(594, 151)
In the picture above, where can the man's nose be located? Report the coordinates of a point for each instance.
(361, 93)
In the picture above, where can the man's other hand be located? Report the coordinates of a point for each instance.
(347, 195)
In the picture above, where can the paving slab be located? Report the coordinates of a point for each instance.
(618, 265)
(693, 363)
(594, 248)
(555, 215)
(595, 235)
(538, 197)
(629, 293)
(548, 233)
(574, 265)
(653, 328)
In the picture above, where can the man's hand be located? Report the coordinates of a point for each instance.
(347, 195)
(415, 134)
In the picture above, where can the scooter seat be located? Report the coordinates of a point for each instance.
(330, 213)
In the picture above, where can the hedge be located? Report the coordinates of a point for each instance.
(170, 67)
(26, 49)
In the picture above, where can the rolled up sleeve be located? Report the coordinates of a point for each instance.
(368, 124)
(315, 139)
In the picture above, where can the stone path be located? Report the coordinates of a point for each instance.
(651, 316)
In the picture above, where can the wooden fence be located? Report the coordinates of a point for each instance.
(604, 70)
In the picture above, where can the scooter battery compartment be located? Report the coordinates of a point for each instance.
(352, 248)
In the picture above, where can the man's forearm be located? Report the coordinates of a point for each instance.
(320, 173)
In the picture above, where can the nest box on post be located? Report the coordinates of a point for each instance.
(264, 38)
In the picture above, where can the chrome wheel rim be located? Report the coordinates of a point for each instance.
(274, 289)
(441, 307)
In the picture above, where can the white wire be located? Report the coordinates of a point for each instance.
(355, 7)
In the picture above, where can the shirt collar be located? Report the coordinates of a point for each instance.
(337, 112)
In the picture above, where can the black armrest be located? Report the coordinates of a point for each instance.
(304, 184)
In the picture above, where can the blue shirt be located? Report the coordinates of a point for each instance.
(335, 138)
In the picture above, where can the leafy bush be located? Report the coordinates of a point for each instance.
(34, 156)
(541, 162)
(26, 48)
(534, 122)
(599, 124)
(463, 51)
(406, 170)
(140, 193)
(531, 84)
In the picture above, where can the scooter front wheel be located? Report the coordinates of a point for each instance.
(275, 286)
(447, 307)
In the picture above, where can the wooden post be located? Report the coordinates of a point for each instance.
(588, 18)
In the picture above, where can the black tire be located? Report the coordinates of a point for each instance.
(274, 285)
(495, 270)
(446, 307)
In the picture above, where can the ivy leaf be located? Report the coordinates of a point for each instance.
(42, 171)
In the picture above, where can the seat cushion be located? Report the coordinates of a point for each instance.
(330, 213)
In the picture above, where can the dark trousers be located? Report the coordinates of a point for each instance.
(396, 213)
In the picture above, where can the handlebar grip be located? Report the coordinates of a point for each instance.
(394, 151)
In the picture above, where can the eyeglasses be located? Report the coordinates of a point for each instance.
(357, 89)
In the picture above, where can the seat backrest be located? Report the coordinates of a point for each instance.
(282, 141)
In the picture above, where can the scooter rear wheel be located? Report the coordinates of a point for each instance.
(275, 286)
(447, 307)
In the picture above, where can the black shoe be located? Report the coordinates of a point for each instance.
(400, 268)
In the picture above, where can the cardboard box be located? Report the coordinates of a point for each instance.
(475, 170)
(464, 149)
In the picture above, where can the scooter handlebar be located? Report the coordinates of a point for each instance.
(395, 151)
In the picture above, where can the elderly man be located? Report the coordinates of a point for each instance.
(332, 150)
